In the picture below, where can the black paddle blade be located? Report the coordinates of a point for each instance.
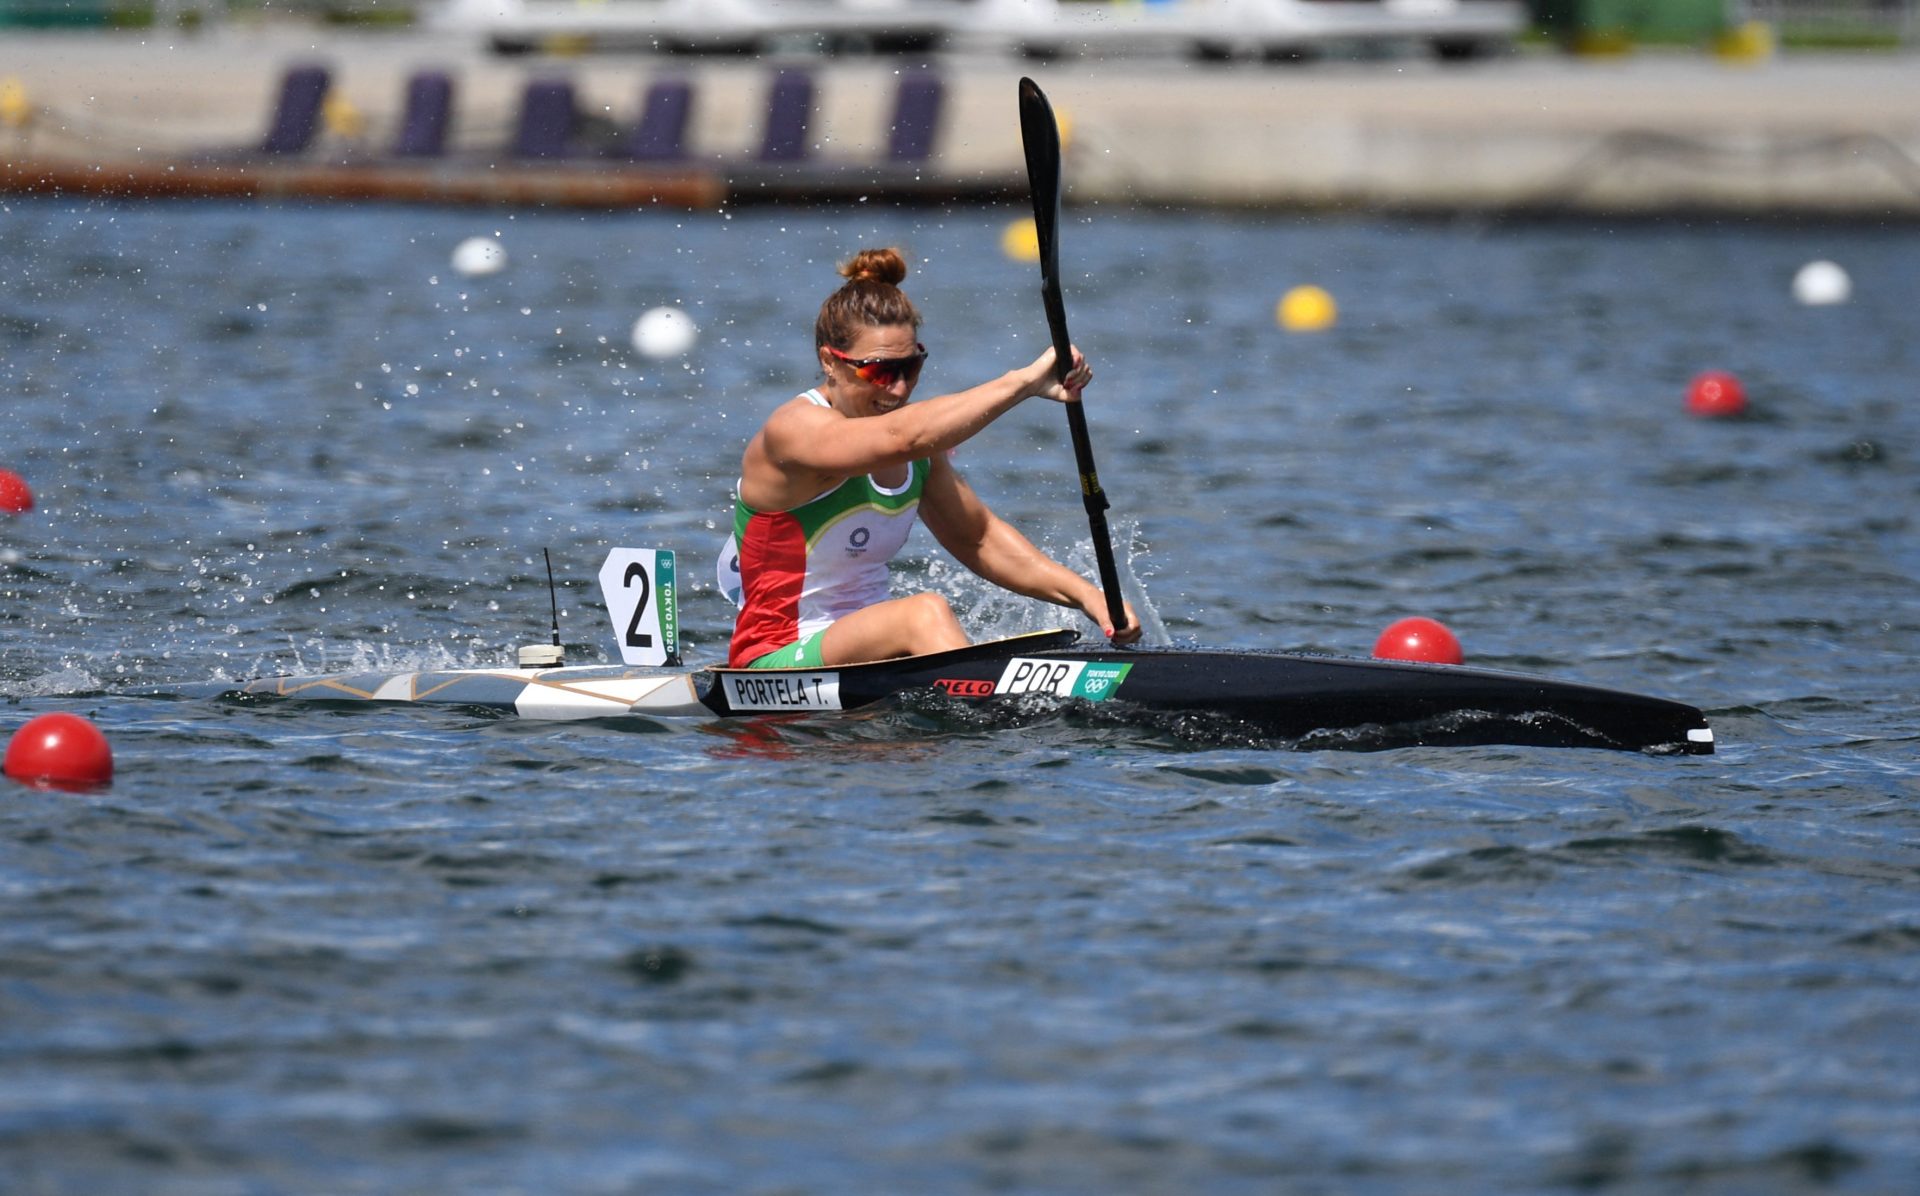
(1040, 137)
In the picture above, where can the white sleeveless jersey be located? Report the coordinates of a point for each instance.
(802, 569)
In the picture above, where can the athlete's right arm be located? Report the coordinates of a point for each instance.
(804, 438)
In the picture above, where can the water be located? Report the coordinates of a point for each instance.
(314, 950)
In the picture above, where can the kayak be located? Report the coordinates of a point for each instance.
(1209, 694)
(1286, 698)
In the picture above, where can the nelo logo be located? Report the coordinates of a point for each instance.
(960, 688)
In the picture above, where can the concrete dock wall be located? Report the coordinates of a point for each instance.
(1822, 135)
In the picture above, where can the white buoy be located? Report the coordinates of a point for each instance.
(664, 332)
(1821, 284)
(479, 255)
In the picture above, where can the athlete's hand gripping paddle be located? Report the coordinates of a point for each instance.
(1040, 135)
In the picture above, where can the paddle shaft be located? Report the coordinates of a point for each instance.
(1040, 136)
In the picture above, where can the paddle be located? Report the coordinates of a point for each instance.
(1040, 135)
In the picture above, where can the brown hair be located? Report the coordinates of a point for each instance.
(870, 298)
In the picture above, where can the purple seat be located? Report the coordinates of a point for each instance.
(425, 120)
(303, 89)
(661, 134)
(789, 110)
(545, 128)
(916, 117)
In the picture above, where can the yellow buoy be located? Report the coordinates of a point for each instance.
(15, 109)
(1021, 240)
(1306, 309)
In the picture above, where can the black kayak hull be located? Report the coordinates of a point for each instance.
(1271, 694)
(1213, 695)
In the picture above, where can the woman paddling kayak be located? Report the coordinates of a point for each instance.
(831, 485)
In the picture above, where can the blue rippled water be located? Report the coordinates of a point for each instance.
(299, 949)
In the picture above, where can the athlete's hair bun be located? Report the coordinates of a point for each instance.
(870, 298)
(876, 265)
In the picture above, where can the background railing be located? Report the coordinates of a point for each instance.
(1835, 23)
(140, 14)
(1840, 22)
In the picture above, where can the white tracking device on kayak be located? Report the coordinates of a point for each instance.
(638, 585)
(553, 655)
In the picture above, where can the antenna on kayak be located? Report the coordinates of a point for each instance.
(546, 656)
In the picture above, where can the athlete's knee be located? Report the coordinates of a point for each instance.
(933, 618)
(931, 606)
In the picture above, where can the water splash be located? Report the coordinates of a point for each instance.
(990, 612)
(66, 681)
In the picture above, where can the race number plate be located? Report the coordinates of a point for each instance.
(638, 586)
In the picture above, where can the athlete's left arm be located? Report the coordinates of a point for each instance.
(993, 548)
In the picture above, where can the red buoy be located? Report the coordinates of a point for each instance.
(1716, 393)
(15, 498)
(59, 750)
(1418, 639)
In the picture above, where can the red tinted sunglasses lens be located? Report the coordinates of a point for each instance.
(885, 371)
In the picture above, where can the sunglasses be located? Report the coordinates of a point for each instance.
(885, 371)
